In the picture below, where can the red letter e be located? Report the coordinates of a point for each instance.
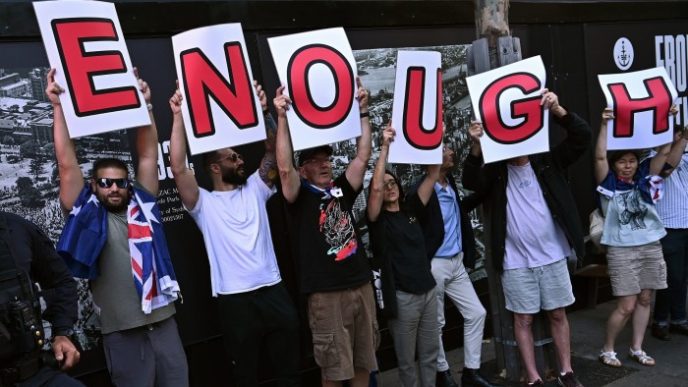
(81, 66)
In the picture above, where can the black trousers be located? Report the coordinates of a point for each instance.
(262, 318)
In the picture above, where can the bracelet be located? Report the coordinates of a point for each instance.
(365, 114)
(149, 106)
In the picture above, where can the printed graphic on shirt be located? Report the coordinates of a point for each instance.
(632, 210)
(338, 229)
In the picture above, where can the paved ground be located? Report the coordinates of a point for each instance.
(587, 332)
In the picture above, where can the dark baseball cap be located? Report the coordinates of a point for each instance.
(310, 153)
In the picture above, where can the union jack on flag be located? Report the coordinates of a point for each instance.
(150, 260)
(85, 234)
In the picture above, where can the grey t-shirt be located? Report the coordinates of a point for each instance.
(114, 291)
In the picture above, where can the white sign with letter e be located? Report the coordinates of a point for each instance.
(85, 45)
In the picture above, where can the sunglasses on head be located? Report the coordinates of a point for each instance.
(105, 182)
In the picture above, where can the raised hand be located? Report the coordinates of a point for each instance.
(176, 101)
(282, 102)
(53, 90)
(261, 95)
(388, 134)
(362, 95)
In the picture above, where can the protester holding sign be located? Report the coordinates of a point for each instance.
(632, 229)
(113, 233)
(408, 287)
(670, 304)
(450, 248)
(255, 308)
(535, 228)
(334, 269)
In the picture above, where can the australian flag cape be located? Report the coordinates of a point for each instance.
(85, 234)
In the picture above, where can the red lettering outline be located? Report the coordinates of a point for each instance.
(236, 91)
(497, 130)
(653, 86)
(414, 131)
(304, 106)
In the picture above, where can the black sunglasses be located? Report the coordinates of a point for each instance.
(104, 182)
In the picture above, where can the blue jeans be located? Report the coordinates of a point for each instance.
(672, 301)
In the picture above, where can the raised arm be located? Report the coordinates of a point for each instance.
(677, 149)
(377, 185)
(473, 178)
(601, 164)
(427, 186)
(147, 145)
(184, 177)
(71, 177)
(283, 149)
(268, 164)
(578, 132)
(660, 159)
(356, 169)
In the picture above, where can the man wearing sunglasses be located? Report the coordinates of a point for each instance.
(334, 269)
(132, 339)
(255, 309)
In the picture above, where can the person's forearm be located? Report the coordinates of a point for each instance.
(364, 143)
(677, 149)
(65, 151)
(178, 146)
(377, 185)
(601, 145)
(283, 148)
(147, 140)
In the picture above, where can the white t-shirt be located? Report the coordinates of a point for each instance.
(237, 237)
(533, 239)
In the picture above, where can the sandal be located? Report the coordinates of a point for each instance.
(641, 357)
(609, 359)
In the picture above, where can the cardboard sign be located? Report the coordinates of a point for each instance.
(641, 101)
(85, 44)
(417, 108)
(507, 102)
(220, 106)
(319, 73)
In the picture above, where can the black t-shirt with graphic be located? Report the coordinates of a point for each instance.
(328, 247)
(405, 247)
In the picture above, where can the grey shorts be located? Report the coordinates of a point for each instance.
(529, 290)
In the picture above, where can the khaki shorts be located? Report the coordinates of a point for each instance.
(345, 334)
(632, 269)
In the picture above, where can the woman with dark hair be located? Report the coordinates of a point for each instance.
(628, 190)
(408, 287)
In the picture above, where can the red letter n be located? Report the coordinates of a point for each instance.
(658, 102)
(305, 107)
(414, 132)
(529, 109)
(203, 81)
(81, 66)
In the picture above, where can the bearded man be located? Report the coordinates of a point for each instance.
(255, 308)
